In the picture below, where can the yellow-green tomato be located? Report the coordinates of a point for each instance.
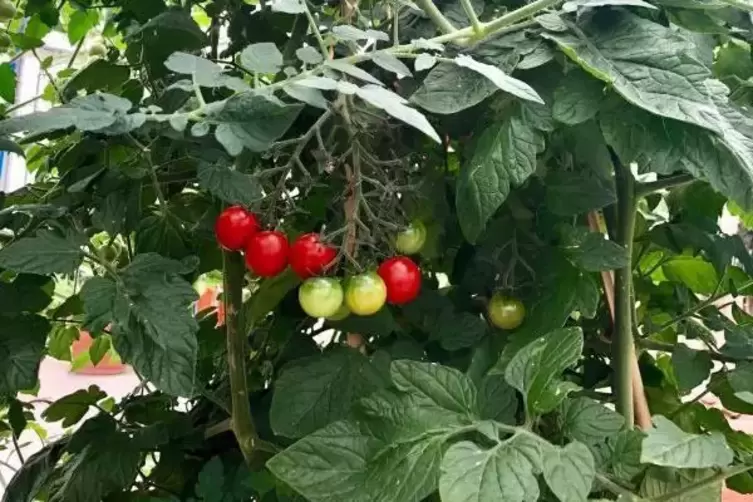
(320, 296)
(412, 239)
(7, 10)
(341, 313)
(506, 312)
(365, 294)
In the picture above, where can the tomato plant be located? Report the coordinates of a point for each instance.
(583, 158)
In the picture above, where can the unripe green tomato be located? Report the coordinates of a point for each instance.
(98, 50)
(506, 312)
(341, 313)
(412, 239)
(7, 10)
(365, 294)
(5, 41)
(320, 296)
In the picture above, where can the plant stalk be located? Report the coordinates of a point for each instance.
(436, 16)
(471, 13)
(242, 423)
(643, 189)
(622, 344)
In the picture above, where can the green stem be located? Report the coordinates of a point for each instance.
(682, 493)
(75, 52)
(643, 189)
(471, 13)
(614, 487)
(436, 16)
(315, 28)
(622, 344)
(242, 423)
(518, 15)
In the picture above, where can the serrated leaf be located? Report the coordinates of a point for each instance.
(228, 184)
(588, 421)
(21, 351)
(44, 254)
(575, 192)
(354, 71)
(659, 483)
(668, 445)
(569, 471)
(502, 80)
(73, 407)
(316, 391)
(690, 367)
(438, 92)
(435, 385)
(263, 57)
(577, 98)
(309, 55)
(99, 348)
(395, 106)
(504, 472)
(497, 400)
(626, 454)
(536, 369)
(503, 157)
(389, 62)
(594, 253)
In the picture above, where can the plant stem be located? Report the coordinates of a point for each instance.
(315, 28)
(242, 423)
(643, 189)
(75, 52)
(622, 345)
(682, 493)
(471, 13)
(614, 487)
(436, 16)
(518, 15)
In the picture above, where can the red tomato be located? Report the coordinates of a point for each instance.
(403, 279)
(267, 253)
(234, 227)
(309, 256)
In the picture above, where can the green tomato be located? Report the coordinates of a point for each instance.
(320, 296)
(7, 10)
(412, 239)
(505, 312)
(341, 313)
(98, 50)
(365, 294)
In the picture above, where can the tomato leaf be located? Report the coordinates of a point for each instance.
(668, 445)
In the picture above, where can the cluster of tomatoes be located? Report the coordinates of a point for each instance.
(268, 253)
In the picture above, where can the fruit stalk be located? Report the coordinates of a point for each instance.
(242, 423)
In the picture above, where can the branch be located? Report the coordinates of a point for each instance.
(315, 28)
(436, 16)
(471, 13)
(242, 423)
(643, 189)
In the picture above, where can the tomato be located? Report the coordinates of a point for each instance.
(506, 312)
(365, 294)
(309, 256)
(412, 239)
(267, 253)
(234, 227)
(402, 278)
(320, 296)
(7, 10)
(98, 50)
(341, 313)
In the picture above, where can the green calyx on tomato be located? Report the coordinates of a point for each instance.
(321, 297)
(506, 312)
(365, 294)
(412, 239)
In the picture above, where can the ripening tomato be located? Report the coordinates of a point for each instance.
(412, 239)
(506, 312)
(267, 253)
(234, 227)
(309, 256)
(402, 278)
(320, 296)
(365, 294)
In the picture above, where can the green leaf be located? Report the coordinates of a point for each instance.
(458, 330)
(289, 6)
(263, 57)
(162, 233)
(503, 157)
(7, 83)
(536, 369)
(307, 95)
(741, 381)
(395, 105)
(256, 120)
(577, 98)
(44, 254)
(626, 449)
(388, 62)
(229, 184)
(510, 85)
(204, 72)
(668, 445)
(33, 475)
(438, 92)
(690, 367)
(497, 400)
(587, 296)
(569, 471)
(436, 385)
(21, 351)
(588, 421)
(315, 391)
(7, 145)
(73, 407)
(592, 252)
(99, 348)
(27, 293)
(80, 23)
(694, 272)
(504, 472)
(61, 338)
(660, 482)
(270, 293)
(575, 192)
(98, 75)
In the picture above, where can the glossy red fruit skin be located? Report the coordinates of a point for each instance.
(234, 227)
(403, 279)
(267, 253)
(309, 256)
